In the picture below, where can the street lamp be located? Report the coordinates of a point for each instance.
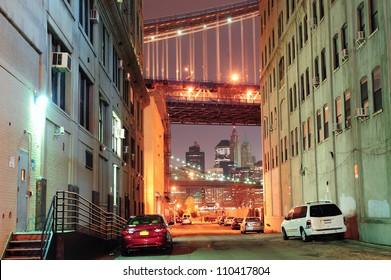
(173, 189)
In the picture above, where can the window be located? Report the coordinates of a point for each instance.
(293, 48)
(321, 9)
(305, 29)
(286, 148)
(344, 36)
(85, 90)
(317, 67)
(292, 144)
(302, 85)
(295, 95)
(117, 67)
(296, 141)
(276, 156)
(307, 78)
(287, 10)
(281, 71)
(377, 96)
(59, 79)
(361, 18)
(102, 120)
(291, 99)
(338, 111)
(336, 51)
(309, 129)
(323, 62)
(85, 6)
(319, 126)
(282, 150)
(116, 134)
(373, 7)
(89, 160)
(326, 121)
(105, 47)
(272, 158)
(304, 140)
(364, 93)
(300, 36)
(288, 52)
(314, 12)
(348, 121)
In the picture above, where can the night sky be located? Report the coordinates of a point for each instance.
(207, 136)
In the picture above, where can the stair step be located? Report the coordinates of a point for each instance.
(25, 241)
(23, 249)
(22, 258)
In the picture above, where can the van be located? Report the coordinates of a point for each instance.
(314, 219)
(186, 219)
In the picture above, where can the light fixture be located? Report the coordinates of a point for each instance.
(59, 131)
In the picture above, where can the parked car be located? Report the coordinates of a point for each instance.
(314, 219)
(236, 223)
(228, 220)
(146, 231)
(251, 224)
(178, 220)
(186, 220)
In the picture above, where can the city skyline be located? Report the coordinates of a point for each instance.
(184, 136)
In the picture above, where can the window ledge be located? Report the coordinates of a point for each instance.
(378, 112)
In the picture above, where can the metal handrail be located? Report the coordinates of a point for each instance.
(48, 228)
(71, 212)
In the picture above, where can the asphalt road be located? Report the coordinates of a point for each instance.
(215, 242)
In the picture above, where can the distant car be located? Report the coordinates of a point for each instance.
(146, 231)
(221, 220)
(186, 220)
(228, 220)
(314, 219)
(178, 220)
(251, 224)
(236, 223)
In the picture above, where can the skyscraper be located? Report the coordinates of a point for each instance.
(234, 148)
(247, 158)
(195, 157)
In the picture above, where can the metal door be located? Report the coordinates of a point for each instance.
(22, 198)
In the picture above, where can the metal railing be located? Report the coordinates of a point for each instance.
(71, 212)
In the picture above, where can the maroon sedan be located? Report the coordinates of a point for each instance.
(146, 231)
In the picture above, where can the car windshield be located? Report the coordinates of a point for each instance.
(324, 210)
(146, 220)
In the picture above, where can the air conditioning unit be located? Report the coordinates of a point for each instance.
(360, 37)
(344, 54)
(133, 156)
(120, 64)
(337, 127)
(94, 16)
(313, 23)
(126, 149)
(61, 61)
(361, 112)
(315, 81)
(270, 127)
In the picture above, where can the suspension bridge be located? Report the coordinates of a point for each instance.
(206, 64)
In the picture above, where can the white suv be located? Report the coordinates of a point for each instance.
(314, 219)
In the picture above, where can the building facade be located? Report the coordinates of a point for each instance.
(84, 57)
(325, 83)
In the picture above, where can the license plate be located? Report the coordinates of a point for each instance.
(327, 221)
(144, 232)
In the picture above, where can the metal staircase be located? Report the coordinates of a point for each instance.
(68, 213)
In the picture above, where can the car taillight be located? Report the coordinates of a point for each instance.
(127, 231)
(308, 224)
(163, 229)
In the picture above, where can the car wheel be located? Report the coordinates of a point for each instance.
(284, 235)
(304, 236)
(244, 232)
